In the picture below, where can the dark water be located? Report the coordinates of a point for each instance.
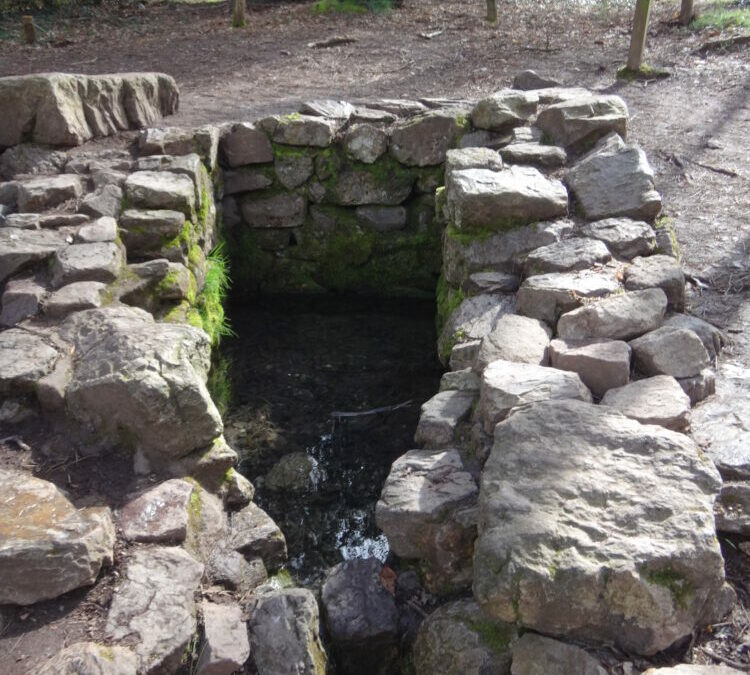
(294, 362)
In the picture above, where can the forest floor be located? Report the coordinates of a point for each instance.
(694, 125)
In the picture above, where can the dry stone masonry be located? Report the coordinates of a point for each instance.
(554, 499)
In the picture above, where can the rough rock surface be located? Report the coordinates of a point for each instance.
(547, 296)
(457, 639)
(255, 534)
(361, 617)
(20, 300)
(294, 472)
(245, 144)
(605, 535)
(232, 570)
(620, 317)
(568, 255)
(424, 140)
(536, 154)
(284, 634)
(732, 509)
(303, 130)
(20, 248)
(658, 271)
(710, 335)
(426, 509)
(365, 142)
(655, 400)
(160, 190)
(155, 606)
(506, 385)
(472, 158)
(537, 655)
(226, 646)
(25, 358)
(47, 546)
(615, 179)
(159, 514)
(440, 417)
(74, 297)
(504, 109)
(669, 351)
(130, 373)
(101, 262)
(693, 669)
(583, 120)
(626, 238)
(490, 282)
(60, 109)
(601, 364)
(90, 658)
(500, 200)
(460, 380)
(515, 338)
(46, 192)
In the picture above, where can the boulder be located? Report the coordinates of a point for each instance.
(678, 352)
(536, 655)
(202, 142)
(504, 109)
(530, 80)
(232, 570)
(732, 509)
(28, 159)
(155, 606)
(655, 400)
(601, 364)
(582, 120)
(490, 282)
(101, 262)
(568, 255)
(22, 248)
(424, 140)
(426, 509)
(381, 219)
(22, 221)
(158, 515)
(506, 384)
(20, 300)
(340, 110)
(74, 297)
(619, 317)
(236, 490)
(658, 271)
(104, 202)
(474, 318)
(246, 179)
(515, 338)
(472, 158)
(296, 129)
(460, 380)
(226, 646)
(501, 200)
(25, 358)
(464, 354)
(711, 337)
(61, 109)
(615, 180)
(47, 546)
(365, 142)
(536, 154)
(357, 185)
(160, 190)
(361, 616)
(284, 633)
(254, 534)
(91, 658)
(547, 296)
(458, 639)
(604, 536)
(274, 211)
(501, 252)
(700, 386)
(624, 237)
(293, 170)
(46, 192)
(144, 232)
(101, 230)
(147, 379)
(245, 144)
(440, 416)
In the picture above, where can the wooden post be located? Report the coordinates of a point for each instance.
(238, 14)
(638, 37)
(492, 11)
(686, 12)
(29, 32)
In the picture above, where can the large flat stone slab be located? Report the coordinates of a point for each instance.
(39, 194)
(155, 606)
(655, 400)
(47, 546)
(101, 262)
(160, 190)
(254, 534)
(606, 535)
(626, 238)
(74, 297)
(678, 352)
(601, 364)
(504, 109)
(22, 248)
(615, 180)
(424, 140)
(158, 515)
(569, 255)
(440, 417)
(620, 317)
(506, 384)
(479, 199)
(515, 338)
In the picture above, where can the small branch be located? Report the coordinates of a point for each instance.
(337, 415)
(15, 439)
(724, 659)
(331, 42)
(429, 36)
(716, 169)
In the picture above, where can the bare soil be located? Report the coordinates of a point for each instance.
(694, 126)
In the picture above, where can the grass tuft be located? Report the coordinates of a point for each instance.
(215, 290)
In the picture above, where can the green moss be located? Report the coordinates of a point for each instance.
(676, 583)
(106, 652)
(466, 237)
(220, 383)
(645, 72)
(338, 7)
(282, 151)
(721, 18)
(183, 238)
(211, 301)
(494, 635)
(291, 117)
(195, 510)
(448, 299)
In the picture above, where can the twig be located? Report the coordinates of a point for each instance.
(85, 63)
(15, 439)
(374, 411)
(724, 659)
(717, 169)
(429, 36)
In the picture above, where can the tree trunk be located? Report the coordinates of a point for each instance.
(686, 12)
(29, 32)
(238, 14)
(638, 38)
(492, 11)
